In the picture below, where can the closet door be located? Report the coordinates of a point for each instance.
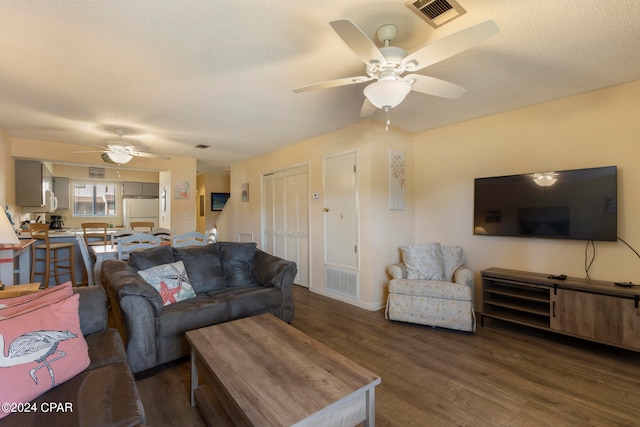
(286, 218)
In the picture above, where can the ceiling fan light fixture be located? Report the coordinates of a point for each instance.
(119, 157)
(387, 94)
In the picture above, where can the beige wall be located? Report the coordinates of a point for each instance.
(381, 230)
(599, 128)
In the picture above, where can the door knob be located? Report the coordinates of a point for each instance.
(326, 209)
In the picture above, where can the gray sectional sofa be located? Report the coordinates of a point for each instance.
(230, 280)
(104, 394)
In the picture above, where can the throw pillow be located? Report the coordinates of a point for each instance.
(237, 259)
(40, 349)
(11, 306)
(203, 267)
(170, 280)
(453, 258)
(423, 261)
(142, 260)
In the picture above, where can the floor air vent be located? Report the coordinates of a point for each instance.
(436, 12)
(344, 282)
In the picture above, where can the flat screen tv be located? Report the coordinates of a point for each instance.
(576, 204)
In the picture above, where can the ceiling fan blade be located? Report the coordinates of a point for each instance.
(436, 87)
(333, 83)
(96, 151)
(450, 45)
(367, 108)
(149, 155)
(358, 41)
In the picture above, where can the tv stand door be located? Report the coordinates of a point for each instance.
(603, 318)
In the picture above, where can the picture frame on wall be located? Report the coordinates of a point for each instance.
(245, 192)
(218, 200)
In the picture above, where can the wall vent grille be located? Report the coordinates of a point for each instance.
(436, 12)
(344, 282)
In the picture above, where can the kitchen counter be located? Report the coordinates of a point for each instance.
(65, 232)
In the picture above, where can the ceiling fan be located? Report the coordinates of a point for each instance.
(388, 64)
(119, 152)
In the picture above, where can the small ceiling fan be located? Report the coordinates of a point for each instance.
(119, 152)
(387, 64)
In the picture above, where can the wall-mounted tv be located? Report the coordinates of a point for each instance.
(576, 204)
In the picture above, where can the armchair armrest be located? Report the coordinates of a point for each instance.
(123, 280)
(398, 271)
(464, 276)
(134, 307)
(93, 309)
(270, 270)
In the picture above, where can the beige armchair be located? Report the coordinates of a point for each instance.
(432, 286)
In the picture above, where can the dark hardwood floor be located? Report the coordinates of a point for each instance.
(502, 375)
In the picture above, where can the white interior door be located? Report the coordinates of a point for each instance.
(340, 211)
(286, 218)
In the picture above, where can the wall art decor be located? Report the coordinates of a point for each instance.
(181, 190)
(245, 192)
(396, 180)
(218, 200)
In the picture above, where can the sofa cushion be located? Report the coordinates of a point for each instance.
(48, 334)
(203, 267)
(107, 396)
(142, 260)
(191, 314)
(236, 261)
(431, 289)
(423, 261)
(249, 300)
(170, 280)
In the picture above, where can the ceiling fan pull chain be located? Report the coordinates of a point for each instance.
(386, 128)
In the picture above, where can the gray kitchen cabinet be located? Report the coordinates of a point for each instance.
(34, 184)
(61, 190)
(140, 189)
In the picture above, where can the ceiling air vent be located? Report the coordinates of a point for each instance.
(436, 12)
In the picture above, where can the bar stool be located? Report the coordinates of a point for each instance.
(52, 260)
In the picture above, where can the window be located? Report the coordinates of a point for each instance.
(94, 199)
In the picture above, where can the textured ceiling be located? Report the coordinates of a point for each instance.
(181, 73)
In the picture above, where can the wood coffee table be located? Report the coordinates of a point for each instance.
(260, 371)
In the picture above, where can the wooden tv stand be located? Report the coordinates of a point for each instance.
(589, 309)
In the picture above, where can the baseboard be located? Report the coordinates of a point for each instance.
(352, 301)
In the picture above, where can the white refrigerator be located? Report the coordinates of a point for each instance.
(140, 210)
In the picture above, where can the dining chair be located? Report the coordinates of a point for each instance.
(143, 226)
(50, 259)
(165, 234)
(86, 259)
(191, 238)
(95, 233)
(136, 242)
(211, 236)
(121, 233)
